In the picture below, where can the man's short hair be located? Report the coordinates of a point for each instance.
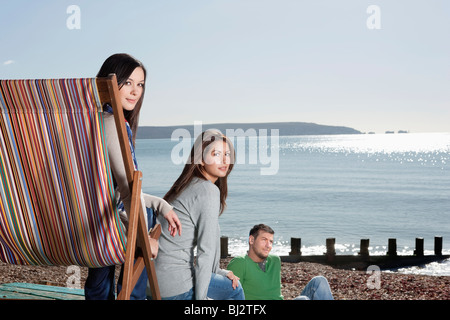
(263, 227)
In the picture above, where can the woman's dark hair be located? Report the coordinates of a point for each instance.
(194, 167)
(123, 65)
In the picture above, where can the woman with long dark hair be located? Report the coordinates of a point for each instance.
(198, 197)
(131, 76)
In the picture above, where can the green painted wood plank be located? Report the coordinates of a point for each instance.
(38, 294)
(36, 291)
(18, 296)
(48, 288)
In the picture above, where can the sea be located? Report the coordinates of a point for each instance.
(314, 187)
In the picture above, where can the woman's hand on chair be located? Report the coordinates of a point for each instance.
(154, 246)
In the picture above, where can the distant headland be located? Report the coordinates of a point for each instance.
(285, 129)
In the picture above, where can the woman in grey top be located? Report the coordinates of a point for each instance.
(198, 198)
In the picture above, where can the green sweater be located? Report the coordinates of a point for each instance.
(257, 284)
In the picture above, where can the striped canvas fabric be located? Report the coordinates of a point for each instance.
(56, 205)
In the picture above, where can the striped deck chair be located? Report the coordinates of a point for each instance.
(57, 200)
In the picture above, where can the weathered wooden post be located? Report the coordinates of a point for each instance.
(331, 252)
(419, 247)
(296, 244)
(364, 248)
(438, 246)
(392, 247)
(223, 247)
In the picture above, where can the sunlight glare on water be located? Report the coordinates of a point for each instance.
(375, 143)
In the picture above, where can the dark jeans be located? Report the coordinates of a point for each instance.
(100, 282)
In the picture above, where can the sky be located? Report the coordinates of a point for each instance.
(373, 65)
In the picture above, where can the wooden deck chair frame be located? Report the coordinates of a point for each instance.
(138, 252)
(138, 245)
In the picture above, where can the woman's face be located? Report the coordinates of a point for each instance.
(132, 89)
(217, 159)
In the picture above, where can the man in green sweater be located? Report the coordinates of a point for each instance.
(260, 272)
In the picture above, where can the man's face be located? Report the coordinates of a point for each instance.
(262, 244)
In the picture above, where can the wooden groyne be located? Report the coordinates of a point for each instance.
(391, 260)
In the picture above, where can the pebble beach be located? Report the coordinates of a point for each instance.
(345, 284)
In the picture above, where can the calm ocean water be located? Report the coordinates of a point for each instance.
(347, 187)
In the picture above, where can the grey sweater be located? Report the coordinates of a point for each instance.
(198, 208)
(118, 171)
